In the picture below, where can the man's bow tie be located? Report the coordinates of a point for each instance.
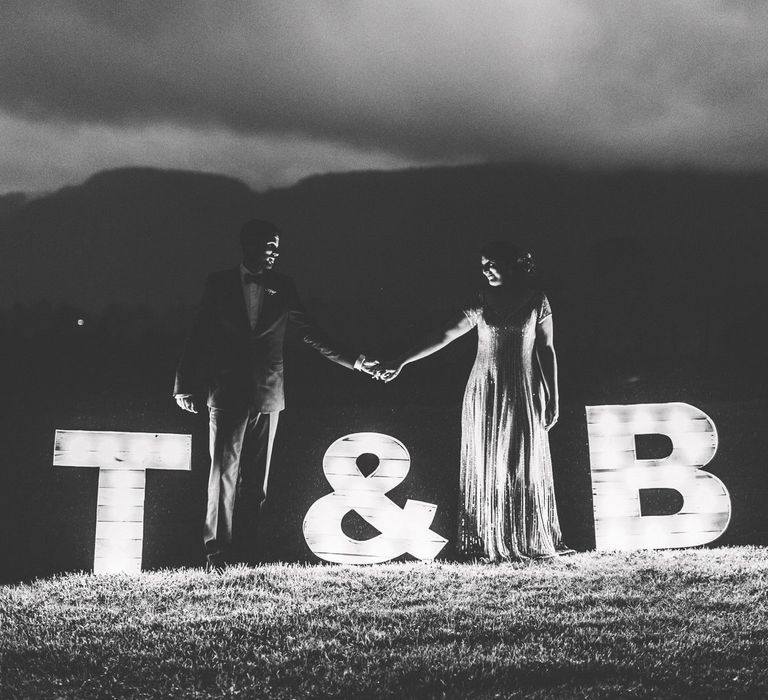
(250, 277)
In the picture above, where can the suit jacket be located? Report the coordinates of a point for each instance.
(237, 366)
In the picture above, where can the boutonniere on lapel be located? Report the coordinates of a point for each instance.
(271, 292)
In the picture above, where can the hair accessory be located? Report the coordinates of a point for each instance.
(525, 261)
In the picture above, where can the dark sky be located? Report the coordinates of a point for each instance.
(273, 91)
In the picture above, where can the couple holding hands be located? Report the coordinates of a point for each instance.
(234, 357)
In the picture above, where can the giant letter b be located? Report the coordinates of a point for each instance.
(619, 477)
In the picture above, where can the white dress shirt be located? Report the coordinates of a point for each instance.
(253, 293)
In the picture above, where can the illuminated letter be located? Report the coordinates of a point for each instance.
(618, 477)
(401, 529)
(122, 460)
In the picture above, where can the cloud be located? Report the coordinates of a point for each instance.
(586, 82)
(40, 158)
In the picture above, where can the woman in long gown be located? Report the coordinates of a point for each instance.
(507, 506)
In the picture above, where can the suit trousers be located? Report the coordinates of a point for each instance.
(241, 450)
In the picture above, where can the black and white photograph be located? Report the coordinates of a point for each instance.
(363, 349)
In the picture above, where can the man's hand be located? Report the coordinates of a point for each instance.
(369, 367)
(187, 402)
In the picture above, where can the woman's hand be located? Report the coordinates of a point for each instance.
(551, 414)
(388, 370)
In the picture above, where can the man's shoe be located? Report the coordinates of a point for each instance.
(215, 564)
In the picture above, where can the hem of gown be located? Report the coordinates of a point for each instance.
(478, 555)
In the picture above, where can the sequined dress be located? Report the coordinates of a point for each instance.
(507, 505)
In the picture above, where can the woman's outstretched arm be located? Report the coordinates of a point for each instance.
(455, 328)
(545, 349)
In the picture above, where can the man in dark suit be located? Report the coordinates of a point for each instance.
(234, 354)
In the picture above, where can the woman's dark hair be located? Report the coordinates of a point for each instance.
(509, 255)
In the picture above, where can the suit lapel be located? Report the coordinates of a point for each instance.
(271, 303)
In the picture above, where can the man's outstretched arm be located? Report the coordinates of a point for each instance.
(316, 338)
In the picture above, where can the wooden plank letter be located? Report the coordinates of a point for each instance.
(401, 529)
(618, 477)
(122, 460)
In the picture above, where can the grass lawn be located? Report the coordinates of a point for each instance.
(687, 623)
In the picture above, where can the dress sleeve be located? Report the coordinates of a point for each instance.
(544, 310)
(473, 309)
